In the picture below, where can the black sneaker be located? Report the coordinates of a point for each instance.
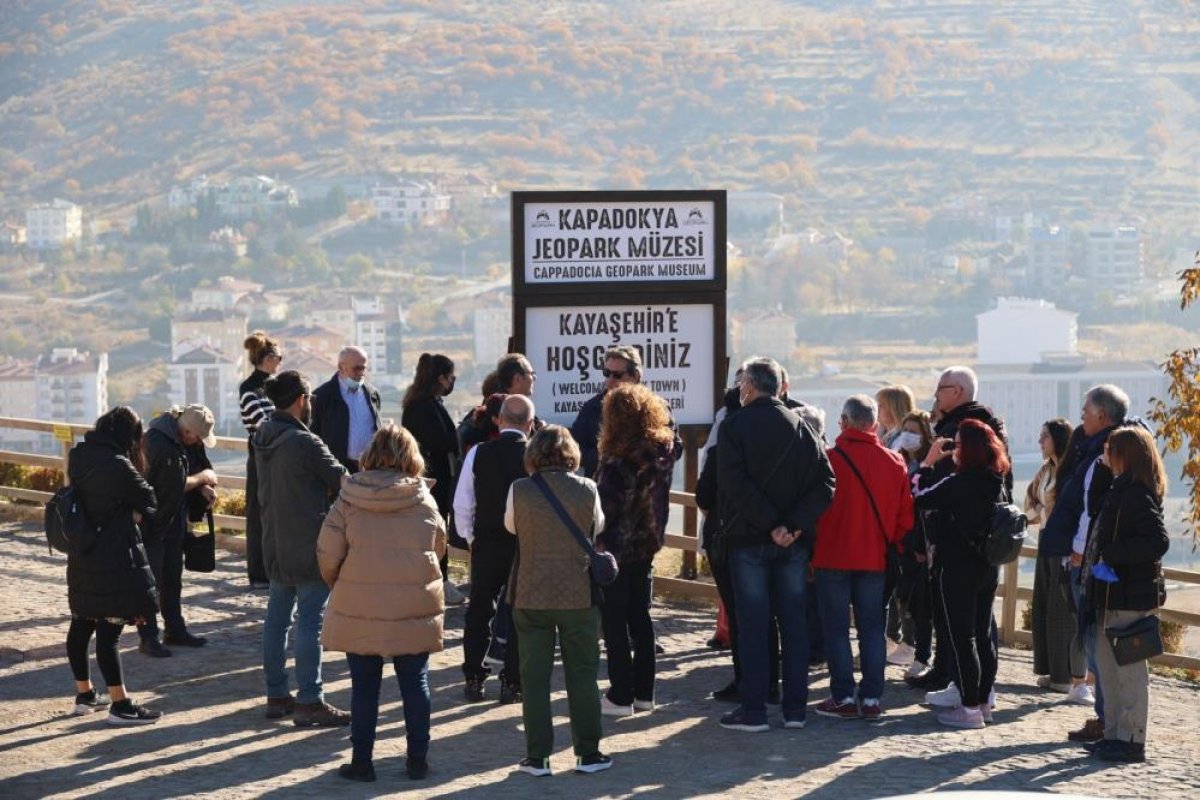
(417, 768)
(740, 720)
(597, 762)
(90, 702)
(509, 693)
(126, 712)
(727, 695)
(152, 647)
(184, 639)
(930, 681)
(473, 689)
(537, 767)
(363, 773)
(1121, 752)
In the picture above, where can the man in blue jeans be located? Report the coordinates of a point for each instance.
(774, 480)
(297, 479)
(871, 511)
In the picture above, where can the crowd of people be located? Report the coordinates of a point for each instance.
(349, 518)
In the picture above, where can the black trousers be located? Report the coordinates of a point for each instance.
(256, 568)
(966, 595)
(629, 634)
(165, 553)
(79, 635)
(724, 581)
(491, 563)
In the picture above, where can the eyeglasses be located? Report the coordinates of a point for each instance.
(613, 373)
(946, 386)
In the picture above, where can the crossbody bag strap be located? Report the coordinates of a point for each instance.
(758, 488)
(554, 502)
(867, 489)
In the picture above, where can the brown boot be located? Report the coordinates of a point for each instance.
(280, 707)
(1092, 731)
(321, 715)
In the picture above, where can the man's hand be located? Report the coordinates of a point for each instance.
(209, 494)
(782, 537)
(1076, 559)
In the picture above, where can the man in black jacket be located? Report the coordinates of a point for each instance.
(174, 441)
(774, 481)
(345, 409)
(479, 501)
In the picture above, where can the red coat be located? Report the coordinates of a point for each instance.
(848, 534)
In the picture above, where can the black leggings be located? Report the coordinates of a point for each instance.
(107, 634)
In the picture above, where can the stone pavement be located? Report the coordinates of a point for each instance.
(214, 742)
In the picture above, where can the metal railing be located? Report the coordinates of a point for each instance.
(1009, 592)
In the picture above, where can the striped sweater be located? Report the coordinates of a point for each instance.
(256, 408)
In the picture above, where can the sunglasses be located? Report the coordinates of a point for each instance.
(613, 373)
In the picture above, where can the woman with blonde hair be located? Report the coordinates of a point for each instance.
(552, 595)
(637, 459)
(378, 551)
(895, 403)
(1124, 559)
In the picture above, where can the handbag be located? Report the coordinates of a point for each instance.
(1138, 641)
(601, 566)
(200, 549)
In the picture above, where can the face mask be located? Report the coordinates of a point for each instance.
(446, 392)
(353, 384)
(907, 441)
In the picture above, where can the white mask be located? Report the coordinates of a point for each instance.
(907, 441)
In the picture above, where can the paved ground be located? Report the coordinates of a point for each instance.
(214, 742)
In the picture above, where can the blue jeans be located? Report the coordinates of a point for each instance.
(1087, 634)
(366, 675)
(768, 579)
(838, 590)
(307, 602)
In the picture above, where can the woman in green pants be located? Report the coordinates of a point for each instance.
(550, 592)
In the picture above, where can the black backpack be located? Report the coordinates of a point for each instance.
(1001, 543)
(68, 530)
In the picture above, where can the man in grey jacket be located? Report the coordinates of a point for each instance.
(297, 479)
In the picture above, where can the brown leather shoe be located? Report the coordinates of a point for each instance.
(321, 715)
(1092, 731)
(280, 707)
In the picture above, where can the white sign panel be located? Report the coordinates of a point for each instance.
(619, 242)
(566, 345)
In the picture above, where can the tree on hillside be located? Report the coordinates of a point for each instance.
(1178, 419)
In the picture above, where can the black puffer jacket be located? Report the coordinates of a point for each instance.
(964, 502)
(113, 579)
(1131, 537)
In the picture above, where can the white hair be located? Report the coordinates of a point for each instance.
(962, 377)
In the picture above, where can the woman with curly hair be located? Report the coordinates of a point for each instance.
(637, 459)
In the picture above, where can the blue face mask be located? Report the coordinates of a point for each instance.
(352, 384)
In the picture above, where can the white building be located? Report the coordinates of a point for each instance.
(244, 197)
(1113, 257)
(208, 376)
(411, 202)
(49, 226)
(223, 332)
(223, 295)
(1020, 331)
(71, 386)
(492, 327)
(769, 334)
(184, 196)
(370, 333)
(1049, 256)
(18, 398)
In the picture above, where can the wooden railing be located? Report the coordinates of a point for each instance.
(1009, 592)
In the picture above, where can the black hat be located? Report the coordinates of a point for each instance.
(283, 388)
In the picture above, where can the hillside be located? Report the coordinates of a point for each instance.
(858, 113)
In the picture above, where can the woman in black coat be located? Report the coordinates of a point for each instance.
(425, 417)
(265, 355)
(1127, 543)
(110, 585)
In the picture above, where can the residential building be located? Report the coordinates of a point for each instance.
(317, 368)
(223, 331)
(316, 339)
(1043, 329)
(183, 197)
(768, 334)
(12, 235)
(1113, 257)
(338, 316)
(1049, 256)
(224, 294)
(263, 306)
(401, 202)
(492, 329)
(49, 226)
(245, 197)
(18, 398)
(370, 333)
(71, 386)
(208, 376)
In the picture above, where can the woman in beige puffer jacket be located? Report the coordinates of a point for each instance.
(379, 550)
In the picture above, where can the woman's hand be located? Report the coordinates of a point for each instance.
(937, 451)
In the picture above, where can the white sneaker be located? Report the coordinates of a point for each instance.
(946, 698)
(643, 705)
(453, 596)
(916, 670)
(902, 656)
(610, 709)
(962, 717)
(1082, 694)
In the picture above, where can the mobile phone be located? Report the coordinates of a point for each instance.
(948, 447)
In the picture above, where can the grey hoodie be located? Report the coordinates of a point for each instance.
(297, 479)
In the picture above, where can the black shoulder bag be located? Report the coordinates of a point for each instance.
(601, 566)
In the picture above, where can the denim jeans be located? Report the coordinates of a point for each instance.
(838, 590)
(1087, 635)
(307, 602)
(767, 580)
(366, 676)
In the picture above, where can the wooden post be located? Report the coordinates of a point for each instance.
(66, 452)
(691, 471)
(1008, 606)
